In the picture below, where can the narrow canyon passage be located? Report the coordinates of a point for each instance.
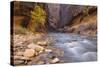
(48, 33)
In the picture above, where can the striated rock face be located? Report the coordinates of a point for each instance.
(87, 26)
(60, 15)
(53, 15)
(68, 12)
(73, 18)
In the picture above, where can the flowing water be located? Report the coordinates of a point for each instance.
(77, 48)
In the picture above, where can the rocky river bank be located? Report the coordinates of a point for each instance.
(53, 48)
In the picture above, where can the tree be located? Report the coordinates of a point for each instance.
(38, 19)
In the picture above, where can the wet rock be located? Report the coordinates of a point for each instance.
(29, 53)
(55, 60)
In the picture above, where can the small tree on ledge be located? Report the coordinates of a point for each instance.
(38, 20)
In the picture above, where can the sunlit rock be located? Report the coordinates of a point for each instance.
(55, 60)
(29, 53)
(36, 47)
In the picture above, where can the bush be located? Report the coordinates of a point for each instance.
(38, 19)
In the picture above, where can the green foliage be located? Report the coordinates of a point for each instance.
(38, 17)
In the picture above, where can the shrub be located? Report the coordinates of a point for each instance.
(38, 19)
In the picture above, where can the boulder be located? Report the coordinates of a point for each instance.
(36, 47)
(29, 53)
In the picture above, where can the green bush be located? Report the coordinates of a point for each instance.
(38, 19)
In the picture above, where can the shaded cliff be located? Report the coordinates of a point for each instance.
(60, 15)
(73, 18)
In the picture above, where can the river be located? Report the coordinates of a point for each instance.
(77, 48)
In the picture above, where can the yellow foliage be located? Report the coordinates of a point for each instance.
(38, 18)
